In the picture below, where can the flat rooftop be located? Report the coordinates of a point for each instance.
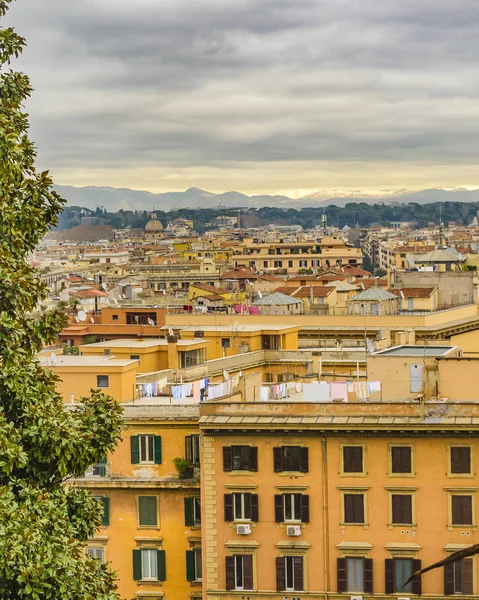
(141, 343)
(83, 361)
(422, 351)
(235, 328)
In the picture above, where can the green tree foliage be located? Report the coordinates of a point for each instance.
(44, 522)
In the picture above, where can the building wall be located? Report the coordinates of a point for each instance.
(454, 287)
(321, 537)
(151, 359)
(80, 380)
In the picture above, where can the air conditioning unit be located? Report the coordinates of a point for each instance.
(402, 598)
(243, 529)
(356, 598)
(293, 530)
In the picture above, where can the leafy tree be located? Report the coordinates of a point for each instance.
(43, 522)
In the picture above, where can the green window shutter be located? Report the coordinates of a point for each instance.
(135, 449)
(189, 512)
(137, 574)
(161, 565)
(102, 461)
(148, 512)
(157, 450)
(105, 519)
(190, 565)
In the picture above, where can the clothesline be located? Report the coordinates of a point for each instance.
(322, 391)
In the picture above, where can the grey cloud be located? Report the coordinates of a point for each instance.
(202, 82)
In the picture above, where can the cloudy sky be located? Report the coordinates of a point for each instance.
(254, 95)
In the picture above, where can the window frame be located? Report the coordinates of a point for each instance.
(97, 548)
(157, 512)
(346, 490)
(291, 558)
(391, 473)
(100, 378)
(151, 438)
(452, 475)
(342, 472)
(470, 492)
(401, 492)
(295, 500)
(151, 552)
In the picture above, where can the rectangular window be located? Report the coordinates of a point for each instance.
(398, 571)
(114, 317)
(147, 511)
(105, 517)
(460, 457)
(147, 448)
(290, 458)
(240, 458)
(402, 572)
(291, 508)
(401, 509)
(95, 552)
(289, 574)
(241, 506)
(194, 568)
(134, 357)
(461, 509)
(193, 511)
(401, 459)
(239, 572)
(354, 508)
(352, 459)
(149, 563)
(458, 577)
(102, 381)
(355, 574)
(192, 449)
(290, 264)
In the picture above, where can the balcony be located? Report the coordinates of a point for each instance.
(97, 471)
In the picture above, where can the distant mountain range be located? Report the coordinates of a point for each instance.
(114, 199)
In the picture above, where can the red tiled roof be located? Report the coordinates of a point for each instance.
(318, 291)
(211, 289)
(239, 274)
(88, 294)
(414, 292)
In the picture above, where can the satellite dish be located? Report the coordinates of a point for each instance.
(401, 293)
(151, 322)
(81, 315)
(77, 319)
(123, 296)
(115, 300)
(362, 286)
(369, 346)
(248, 282)
(170, 331)
(92, 320)
(104, 286)
(260, 294)
(164, 292)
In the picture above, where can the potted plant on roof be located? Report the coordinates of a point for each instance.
(184, 468)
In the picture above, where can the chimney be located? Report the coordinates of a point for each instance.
(172, 351)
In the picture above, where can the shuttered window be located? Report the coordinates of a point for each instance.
(239, 572)
(401, 459)
(240, 458)
(193, 511)
(398, 571)
(458, 577)
(352, 459)
(105, 517)
(194, 568)
(461, 507)
(401, 507)
(354, 508)
(460, 457)
(145, 449)
(149, 564)
(147, 511)
(291, 507)
(96, 552)
(241, 506)
(355, 574)
(289, 574)
(291, 458)
(192, 449)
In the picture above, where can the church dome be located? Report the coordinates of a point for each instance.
(153, 224)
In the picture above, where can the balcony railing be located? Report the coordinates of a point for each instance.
(98, 470)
